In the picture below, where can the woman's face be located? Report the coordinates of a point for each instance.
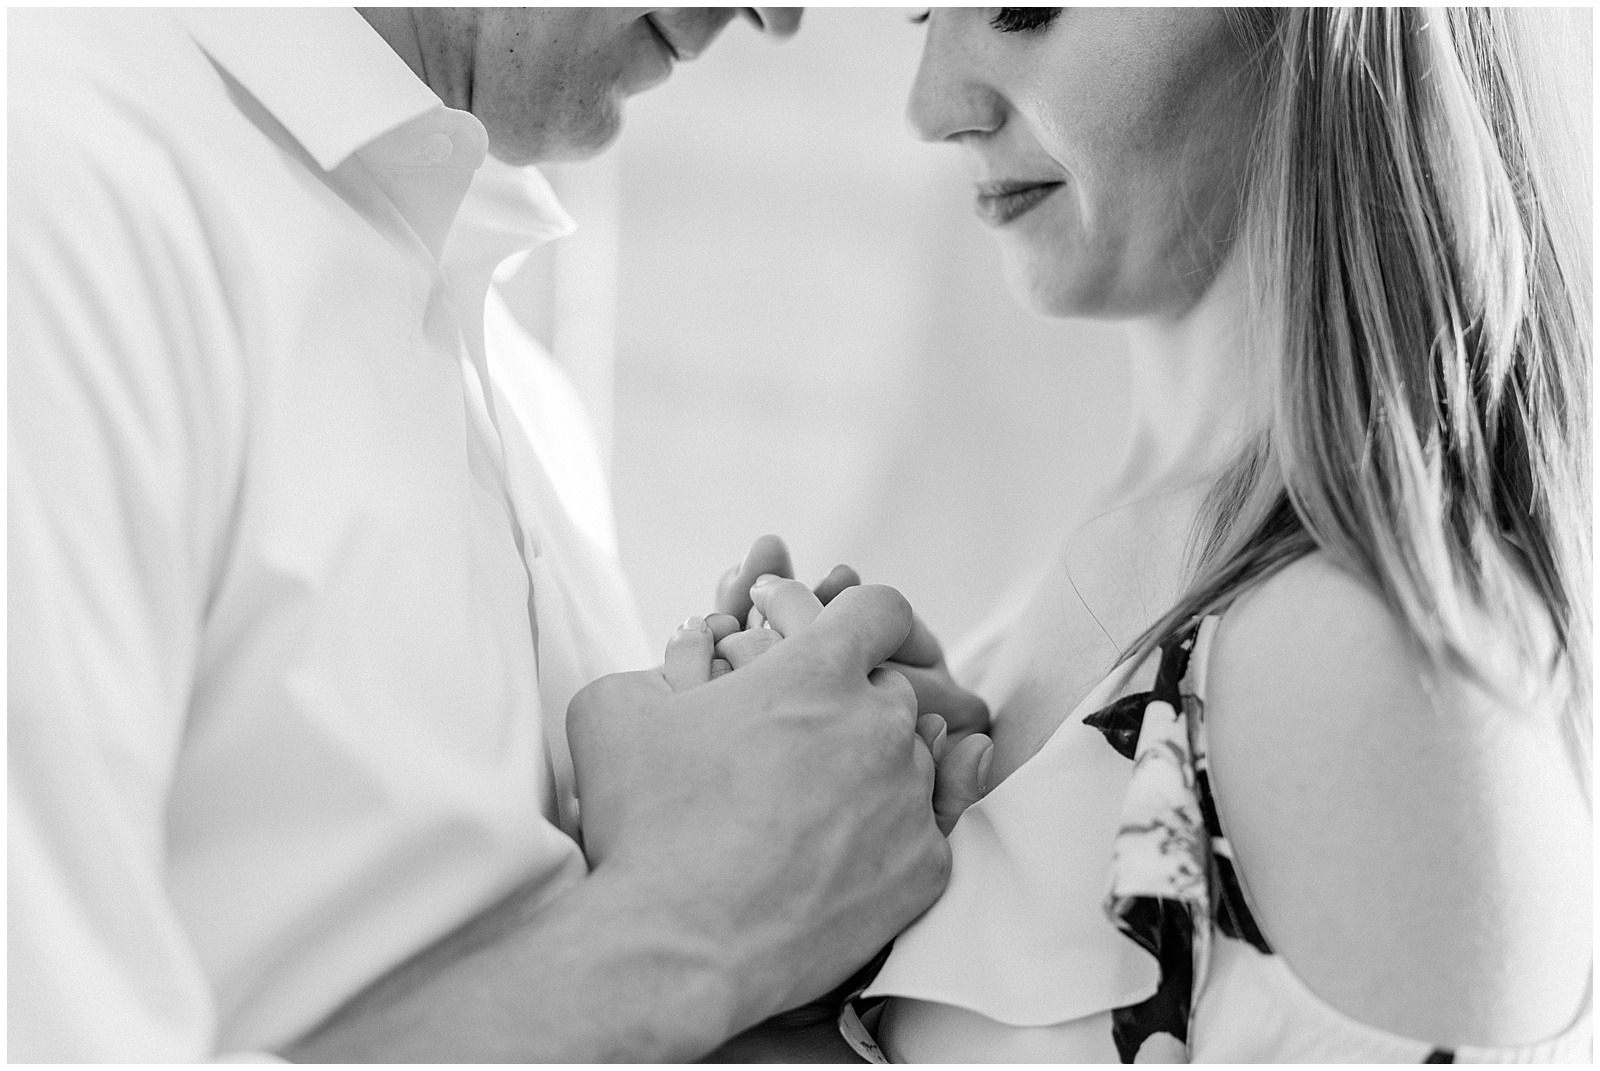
(1108, 145)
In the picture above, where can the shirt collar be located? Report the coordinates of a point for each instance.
(324, 73)
(338, 88)
(508, 210)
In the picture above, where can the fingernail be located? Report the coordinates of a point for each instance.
(984, 763)
(764, 579)
(693, 624)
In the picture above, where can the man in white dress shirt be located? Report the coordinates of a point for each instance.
(309, 554)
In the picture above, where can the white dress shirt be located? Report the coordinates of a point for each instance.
(307, 553)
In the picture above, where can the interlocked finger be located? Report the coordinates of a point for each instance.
(963, 771)
(965, 712)
(689, 653)
(860, 628)
(920, 647)
(931, 728)
(767, 555)
(722, 626)
(841, 577)
(894, 687)
(788, 605)
(745, 647)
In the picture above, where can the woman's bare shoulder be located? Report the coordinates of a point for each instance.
(1417, 851)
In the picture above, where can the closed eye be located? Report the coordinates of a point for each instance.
(1023, 19)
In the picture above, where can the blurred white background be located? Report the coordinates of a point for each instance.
(786, 318)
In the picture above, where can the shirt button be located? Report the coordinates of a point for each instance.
(436, 148)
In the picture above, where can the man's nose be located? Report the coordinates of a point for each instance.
(948, 100)
(780, 22)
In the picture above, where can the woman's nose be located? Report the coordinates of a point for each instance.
(949, 98)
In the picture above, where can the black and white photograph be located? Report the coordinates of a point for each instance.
(776, 535)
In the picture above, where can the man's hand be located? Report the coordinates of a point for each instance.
(919, 659)
(788, 606)
(784, 810)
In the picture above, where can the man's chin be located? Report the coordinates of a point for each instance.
(583, 142)
(644, 77)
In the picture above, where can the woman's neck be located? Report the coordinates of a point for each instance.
(1194, 398)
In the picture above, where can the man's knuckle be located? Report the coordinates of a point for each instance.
(889, 599)
(830, 655)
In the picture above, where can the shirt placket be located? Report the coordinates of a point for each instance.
(422, 219)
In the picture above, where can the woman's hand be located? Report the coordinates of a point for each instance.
(691, 659)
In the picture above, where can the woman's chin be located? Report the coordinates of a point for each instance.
(1057, 294)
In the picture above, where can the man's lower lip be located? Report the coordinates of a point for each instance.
(999, 209)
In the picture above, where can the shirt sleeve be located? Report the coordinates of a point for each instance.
(120, 406)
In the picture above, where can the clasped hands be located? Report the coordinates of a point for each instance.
(758, 603)
(784, 814)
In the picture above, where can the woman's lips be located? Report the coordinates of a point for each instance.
(999, 203)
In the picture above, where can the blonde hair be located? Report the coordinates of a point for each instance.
(1420, 260)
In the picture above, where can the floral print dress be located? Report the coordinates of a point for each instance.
(1221, 994)
(1224, 994)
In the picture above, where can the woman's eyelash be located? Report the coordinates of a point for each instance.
(1023, 19)
(1007, 19)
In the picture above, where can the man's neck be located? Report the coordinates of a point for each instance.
(436, 43)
